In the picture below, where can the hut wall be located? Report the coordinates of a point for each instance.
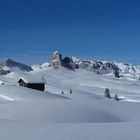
(40, 87)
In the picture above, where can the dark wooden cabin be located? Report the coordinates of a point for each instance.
(37, 85)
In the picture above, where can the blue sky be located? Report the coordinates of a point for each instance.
(30, 30)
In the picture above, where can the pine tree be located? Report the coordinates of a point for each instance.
(116, 97)
(70, 91)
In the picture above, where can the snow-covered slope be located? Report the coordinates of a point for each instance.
(85, 114)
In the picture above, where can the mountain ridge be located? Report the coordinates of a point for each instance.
(9, 65)
(73, 63)
(98, 66)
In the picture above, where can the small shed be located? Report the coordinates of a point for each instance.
(37, 83)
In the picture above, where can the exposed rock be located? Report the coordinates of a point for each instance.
(57, 59)
(68, 63)
(13, 65)
(9, 65)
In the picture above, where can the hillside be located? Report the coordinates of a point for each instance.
(85, 114)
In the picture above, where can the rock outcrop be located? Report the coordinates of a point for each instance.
(57, 59)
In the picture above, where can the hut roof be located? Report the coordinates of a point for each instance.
(1, 82)
(32, 79)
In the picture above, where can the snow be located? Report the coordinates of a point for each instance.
(2, 97)
(32, 79)
(83, 115)
(1, 82)
(56, 52)
(45, 65)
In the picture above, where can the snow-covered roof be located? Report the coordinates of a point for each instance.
(31, 79)
(1, 82)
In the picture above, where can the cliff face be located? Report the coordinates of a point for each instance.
(56, 59)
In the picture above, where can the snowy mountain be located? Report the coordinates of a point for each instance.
(11, 65)
(105, 67)
(97, 66)
(42, 66)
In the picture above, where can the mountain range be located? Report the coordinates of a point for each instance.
(97, 66)
(73, 63)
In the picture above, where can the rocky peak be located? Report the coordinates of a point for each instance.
(57, 59)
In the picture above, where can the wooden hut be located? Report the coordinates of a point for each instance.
(33, 83)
